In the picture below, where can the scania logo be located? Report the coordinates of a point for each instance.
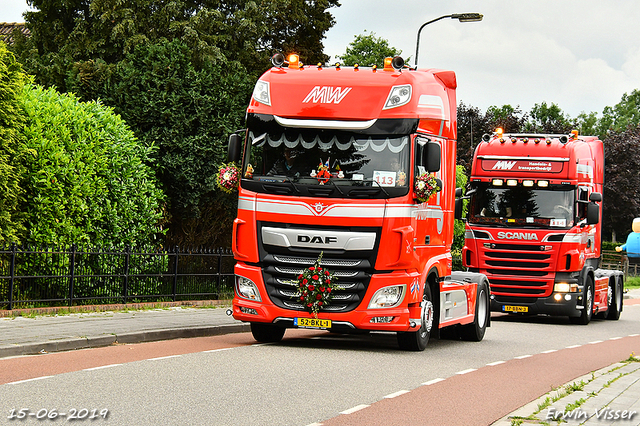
(326, 95)
(316, 239)
(517, 236)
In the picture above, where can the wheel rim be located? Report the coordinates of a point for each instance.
(610, 295)
(589, 304)
(427, 317)
(482, 309)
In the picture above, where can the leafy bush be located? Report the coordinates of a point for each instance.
(11, 117)
(86, 176)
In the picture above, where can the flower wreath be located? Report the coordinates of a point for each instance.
(227, 177)
(315, 287)
(426, 185)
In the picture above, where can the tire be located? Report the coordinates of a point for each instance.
(266, 333)
(587, 296)
(615, 304)
(417, 340)
(474, 332)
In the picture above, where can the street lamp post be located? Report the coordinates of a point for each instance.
(462, 17)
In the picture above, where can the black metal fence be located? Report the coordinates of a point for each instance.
(79, 276)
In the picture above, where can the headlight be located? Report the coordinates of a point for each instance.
(565, 288)
(399, 95)
(261, 93)
(387, 297)
(247, 289)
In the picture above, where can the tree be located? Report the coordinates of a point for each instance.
(624, 114)
(367, 50)
(510, 119)
(11, 119)
(472, 124)
(548, 119)
(65, 34)
(187, 113)
(622, 183)
(86, 176)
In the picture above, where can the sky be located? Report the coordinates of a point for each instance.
(582, 55)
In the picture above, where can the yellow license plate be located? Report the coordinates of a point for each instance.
(508, 308)
(312, 323)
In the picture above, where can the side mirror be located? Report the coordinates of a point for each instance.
(432, 160)
(458, 208)
(234, 148)
(593, 213)
(595, 197)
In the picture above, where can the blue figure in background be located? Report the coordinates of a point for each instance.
(632, 246)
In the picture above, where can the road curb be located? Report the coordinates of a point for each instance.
(125, 338)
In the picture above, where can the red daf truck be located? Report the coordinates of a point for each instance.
(329, 160)
(534, 226)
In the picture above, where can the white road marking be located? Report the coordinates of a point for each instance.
(354, 409)
(29, 380)
(393, 395)
(466, 371)
(491, 364)
(101, 367)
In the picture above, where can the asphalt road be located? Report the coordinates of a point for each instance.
(313, 377)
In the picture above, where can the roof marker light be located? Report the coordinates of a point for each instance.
(525, 140)
(497, 182)
(548, 141)
(543, 183)
(514, 140)
(537, 140)
(294, 61)
(512, 182)
(527, 183)
(501, 140)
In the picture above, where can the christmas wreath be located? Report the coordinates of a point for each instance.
(315, 287)
(227, 177)
(426, 185)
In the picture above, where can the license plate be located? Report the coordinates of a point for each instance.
(312, 323)
(508, 308)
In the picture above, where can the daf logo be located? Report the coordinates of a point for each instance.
(316, 239)
(326, 95)
(518, 236)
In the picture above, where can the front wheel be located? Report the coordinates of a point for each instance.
(587, 312)
(417, 340)
(615, 303)
(474, 332)
(266, 333)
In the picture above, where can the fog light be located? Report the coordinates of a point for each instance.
(557, 297)
(381, 320)
(248, 311)
(387, 297)
(247, 289)
(567, 297)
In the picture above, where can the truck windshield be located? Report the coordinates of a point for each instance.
(520, 206)
(351, 164)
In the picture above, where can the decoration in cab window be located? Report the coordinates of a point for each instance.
(227, 177)
(323, 174)
(425, 186)
(249, 172)
(402, 179)
(315, 287)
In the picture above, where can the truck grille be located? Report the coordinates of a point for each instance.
(521, 270)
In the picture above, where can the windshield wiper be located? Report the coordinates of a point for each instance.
(379, 186)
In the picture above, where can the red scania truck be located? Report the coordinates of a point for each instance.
(329, 160)
(534, 226)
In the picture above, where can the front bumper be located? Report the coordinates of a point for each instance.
(405, 317)
(543, 305)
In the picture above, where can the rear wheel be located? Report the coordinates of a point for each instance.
(615, 302)
(417, 340)
(587, 297)
(474, 332)
(266, 333)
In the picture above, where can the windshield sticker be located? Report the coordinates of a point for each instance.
(558, 222)
(384, 178)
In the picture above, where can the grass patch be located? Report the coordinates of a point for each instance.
(632, 282)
